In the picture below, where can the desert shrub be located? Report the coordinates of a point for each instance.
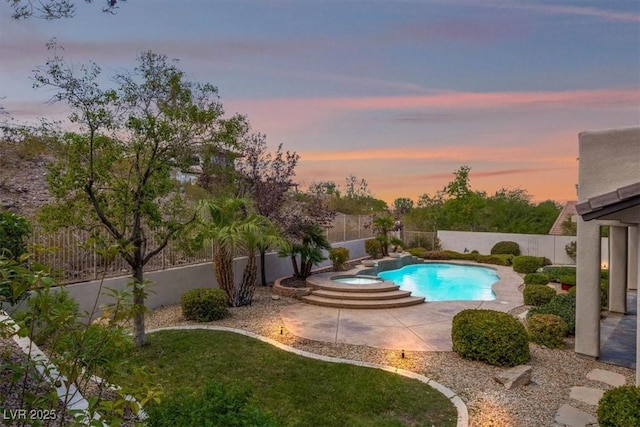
(495, 259)
(571, 249)
(537, 294)
(14, 229)
(536, 279)
(215, 405)
(458, 255)
(506, 248)
(527, 264)
(419, 252)
(620, 407)
(490, 336)
(339, 257)
(563, 305)
(437, 255)
(547, 329)
(373, 248)
(204, 304)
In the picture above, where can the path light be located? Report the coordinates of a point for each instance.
(281, 330)
(402, 354)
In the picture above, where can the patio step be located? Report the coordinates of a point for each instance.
(346, 303)
(350, 295)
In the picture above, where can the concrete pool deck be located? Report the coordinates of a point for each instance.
(424, 327)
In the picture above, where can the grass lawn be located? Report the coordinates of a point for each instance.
(295, 390)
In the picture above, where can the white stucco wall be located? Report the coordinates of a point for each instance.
(548, 246)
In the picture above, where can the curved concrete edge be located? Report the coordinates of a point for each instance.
(461, 408)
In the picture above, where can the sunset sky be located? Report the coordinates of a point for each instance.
(398, 92)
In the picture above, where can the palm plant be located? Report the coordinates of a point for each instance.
(309, 243)
(383, 225)
(232, 228)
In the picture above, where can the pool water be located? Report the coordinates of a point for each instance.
(445, 282)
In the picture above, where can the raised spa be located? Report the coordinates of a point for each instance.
(355, 280)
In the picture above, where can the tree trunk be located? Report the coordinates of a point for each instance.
(139, 335)
(263, 270)
(294, 263)
(249, 280)
(223, 263)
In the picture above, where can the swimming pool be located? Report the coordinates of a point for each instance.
(445, 282)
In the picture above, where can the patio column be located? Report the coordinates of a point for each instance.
(636, 261)
(632, 271)
(588, 289)
(618, 269)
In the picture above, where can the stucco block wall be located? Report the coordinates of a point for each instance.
(170, 284)
(548, 246)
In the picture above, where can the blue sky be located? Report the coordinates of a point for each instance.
(400, 93)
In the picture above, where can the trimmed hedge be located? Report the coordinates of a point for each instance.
(437, 255)
(461, 256)
(555, 272)
(495, 259)
(620, 407)
(527, 264)
(204, 304)
(563, 305)
(547, 329)
(506, 248)
(420, 252)
(538, 294)
(490, 336)
(536, 279)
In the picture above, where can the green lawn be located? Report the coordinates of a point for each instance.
(295, 390)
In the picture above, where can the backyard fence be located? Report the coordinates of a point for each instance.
(67, 252)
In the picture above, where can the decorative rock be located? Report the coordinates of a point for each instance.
(514, 377)
(275, 297)
(607, 377)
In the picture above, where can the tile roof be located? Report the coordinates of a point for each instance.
(568, 211)
(607, 203)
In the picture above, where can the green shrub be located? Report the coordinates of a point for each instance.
(536, 279)
(14, 229)
(555, 272)
(396, 244)
(339, 257)
(495, 259)
(437, 255)
(547, 329)
(537, 294)
(215, 405)
(373, 248)
(204, 304)
(527, 264)
(604, 274)
(49, 314)
(490, 336)
(620, 407)
(458, 255)
(567, 279)
(506, 248)
(571, 249)
(563, 305)
(419, 252)
(604, 294)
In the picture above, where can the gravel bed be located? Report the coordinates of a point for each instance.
(554, 371)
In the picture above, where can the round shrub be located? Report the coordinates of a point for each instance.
(547, 329)
(204, 304)
(536, 279)
(527, 264)
(563, 305)
(339, 257)
(373, 248)
(620, 407)
(538, 294)
(490, 336)
(437, 255)
(506, 248)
